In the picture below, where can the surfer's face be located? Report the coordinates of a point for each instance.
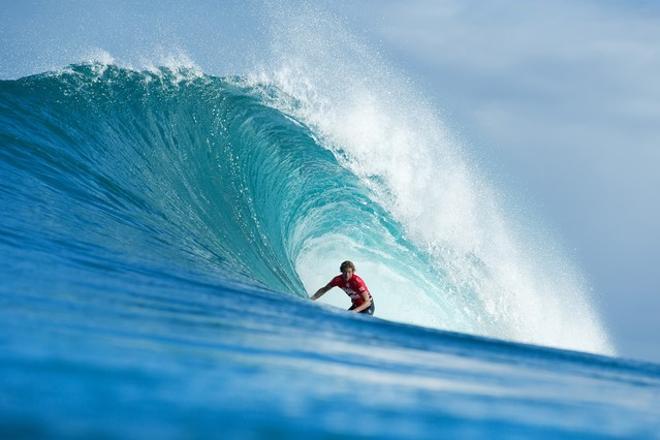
(347, 274)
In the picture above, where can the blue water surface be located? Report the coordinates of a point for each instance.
(149, 231)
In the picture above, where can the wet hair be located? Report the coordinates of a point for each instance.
(346, 265)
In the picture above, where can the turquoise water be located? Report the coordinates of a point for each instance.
(157, 234)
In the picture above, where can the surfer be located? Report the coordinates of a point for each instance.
(354, 287)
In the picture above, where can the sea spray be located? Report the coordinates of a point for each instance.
(498, 274)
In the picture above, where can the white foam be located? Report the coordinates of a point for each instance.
(522, 287)
(173, 61)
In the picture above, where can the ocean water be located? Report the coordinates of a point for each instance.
(162, 229)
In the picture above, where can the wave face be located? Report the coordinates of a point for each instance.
(160, 232)
(235, 179)
(153, 169)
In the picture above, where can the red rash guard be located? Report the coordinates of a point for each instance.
(353, 288)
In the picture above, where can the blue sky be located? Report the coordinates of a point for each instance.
(559, 101)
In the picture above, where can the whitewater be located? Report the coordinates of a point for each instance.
(162, 229)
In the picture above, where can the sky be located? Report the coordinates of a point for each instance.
(559, 101)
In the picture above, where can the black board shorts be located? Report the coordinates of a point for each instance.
(369, 311)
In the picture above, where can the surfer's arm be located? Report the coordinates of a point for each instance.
(366, 296)
(319, 293)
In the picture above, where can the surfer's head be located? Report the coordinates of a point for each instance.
(347, 269)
